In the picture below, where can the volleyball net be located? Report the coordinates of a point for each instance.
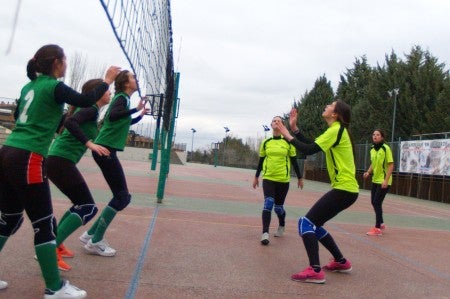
(143, 29)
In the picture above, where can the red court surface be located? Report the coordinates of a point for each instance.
(202, 241)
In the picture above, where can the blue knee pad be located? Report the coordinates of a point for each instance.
(279, 210)
(121, 201)
(44, 230)
(85, 212)
(305, 226)
(268, 203)
(321, 232)
(10, 223)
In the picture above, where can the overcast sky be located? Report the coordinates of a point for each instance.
(241, 62)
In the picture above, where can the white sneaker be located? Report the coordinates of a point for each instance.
(3, 284)
(85, 237)
(67, 291)
(265, 239)
(280, 231)
(101, 248)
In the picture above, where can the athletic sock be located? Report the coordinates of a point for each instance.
(104, 220)
(67, 213)
(46, 254)
(93, 228)
(266, 217)
(67, 226)
(328, 242)
(316, 268)
(282, 219)
(312, 248)
(342, 261)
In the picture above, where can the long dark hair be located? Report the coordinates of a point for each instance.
(42, 62)
(88, 86)
(121, 80)
(344, 113)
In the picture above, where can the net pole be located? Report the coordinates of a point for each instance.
(165, 154)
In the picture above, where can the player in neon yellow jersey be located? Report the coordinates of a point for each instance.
(337, 145)
(381, 168)
(276, 156)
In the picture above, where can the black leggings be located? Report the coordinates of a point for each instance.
(66, 176)
(113, 172)
(24, 186)
(276, 190)
(377, 198)
(329, 205)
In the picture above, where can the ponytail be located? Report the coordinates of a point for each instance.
(31, 69)
(43, 60)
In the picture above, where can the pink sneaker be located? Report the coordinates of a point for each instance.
(383, 226)
(309, 275)
(334, 266)
(374, 232)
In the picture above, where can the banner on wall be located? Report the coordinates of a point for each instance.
(425, 157)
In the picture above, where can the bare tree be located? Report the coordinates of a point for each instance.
(79, 71)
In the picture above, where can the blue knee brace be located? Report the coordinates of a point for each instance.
(321, 232)
(305, 226)
(279, 210)
(268, 203)
(85, 212)
(44, 230)
(120, 201)
(10, 223)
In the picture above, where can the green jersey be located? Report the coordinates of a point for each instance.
(68, 146)
(114, 133)
(380, 159)
(337, 146)
(277, 163)
(38, 116)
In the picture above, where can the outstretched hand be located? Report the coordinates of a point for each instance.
(283, 130)
(111, 74)
(293, 116)
(140, 105)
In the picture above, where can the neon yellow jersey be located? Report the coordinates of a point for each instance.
(380, 160)
(277, 163)
(339, 157)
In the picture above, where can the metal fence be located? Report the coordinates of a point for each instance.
(423, 186)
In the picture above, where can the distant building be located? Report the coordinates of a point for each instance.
(7, 108)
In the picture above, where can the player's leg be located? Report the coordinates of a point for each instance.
(280, 197)
(266, 215)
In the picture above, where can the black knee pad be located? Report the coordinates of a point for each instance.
(85, 212)
(10, 223)
(121, 201)
(44, 230)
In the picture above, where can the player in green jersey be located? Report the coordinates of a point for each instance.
(381, 168)
(23, 175)
(113, 136)
(337, 145)
(276, 156)
(65, 152)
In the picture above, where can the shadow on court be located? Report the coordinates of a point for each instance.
(202, 241)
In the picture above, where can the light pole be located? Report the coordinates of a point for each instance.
(225, 144)
(393, 92)
(266, 129)
(192, 144)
